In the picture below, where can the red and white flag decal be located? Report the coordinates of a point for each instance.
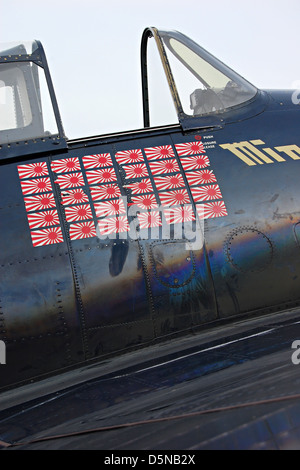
(113, 225)
(157, 153)
(201, 177)
(140, 187)
(195, 163)
(47, 236)
(210, 210)
(33, 169)
(164, 166)
(71, 180)
(189, 148)
(82, 230)
(179, 214)
(106, 191)
(149, 219)
(99, 160)
(129, 156)
(43, 219)
(98, 172)
(135, 171)
(42, 201)
(206, 193)
(171, 198)
(74, 196)
(65, 164)
(169, 182)
(101, 176)
(75, 213)
(113, 207)
(37, 185)
(145, 202)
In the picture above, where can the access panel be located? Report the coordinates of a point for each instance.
(39, 320)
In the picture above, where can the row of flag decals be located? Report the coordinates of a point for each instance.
(74, 197)
(157, 179)
(89, 186)
(40, 206)
(38, 195)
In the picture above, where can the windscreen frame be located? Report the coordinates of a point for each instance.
(18, 144)
(189, 121)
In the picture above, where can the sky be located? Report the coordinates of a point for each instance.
(93, 48)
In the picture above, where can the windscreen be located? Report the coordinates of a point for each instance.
(14, 99)
(205, 85)
(26, 111)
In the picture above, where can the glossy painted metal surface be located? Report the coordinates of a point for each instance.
(83, 297)
(222, 389)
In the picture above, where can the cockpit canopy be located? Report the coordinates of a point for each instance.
(219, 88)
(201, 87)
(200, 84)
(28, 108)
